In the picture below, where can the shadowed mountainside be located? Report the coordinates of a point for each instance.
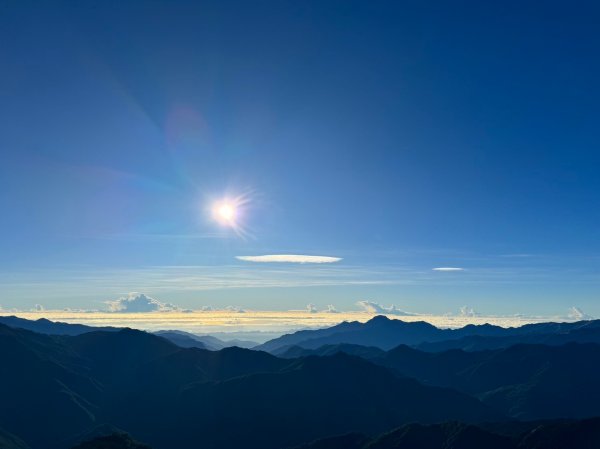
(522, 381)
(583, 434)
(174, 397)
(10, 441)
(99, 383)
(114, 441)
(320, 395)
(188, 340)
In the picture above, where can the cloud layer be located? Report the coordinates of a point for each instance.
(374, 307)
(139, 303)
(289, 258)
(448, 269)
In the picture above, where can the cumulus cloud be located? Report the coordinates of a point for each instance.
(448, 269)
(289, 258)
(235, 309)
(331, 309)
(467, 311)
(38, 308)
(136, 302)
(311, 308)
(575, 313)
(374, 307)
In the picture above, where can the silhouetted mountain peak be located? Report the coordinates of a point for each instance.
(379, 319)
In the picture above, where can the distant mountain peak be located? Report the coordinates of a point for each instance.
(379, 319)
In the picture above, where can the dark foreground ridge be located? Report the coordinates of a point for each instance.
(583, 434)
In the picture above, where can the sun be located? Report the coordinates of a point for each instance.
(231, 212)
(225, 213)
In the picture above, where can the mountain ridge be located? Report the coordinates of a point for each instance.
(386, 333)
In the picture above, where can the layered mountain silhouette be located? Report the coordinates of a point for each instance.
(180, 338)
(44, 326)
(188, 340)
(319, 395)
(522, 381)
(59, 390)
(174, 397)
(589, 332)
(380, 332)
(385, 333)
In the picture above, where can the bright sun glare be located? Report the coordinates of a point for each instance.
(225, 213)
(231, 212)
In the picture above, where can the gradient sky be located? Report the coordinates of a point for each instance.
(400, 136)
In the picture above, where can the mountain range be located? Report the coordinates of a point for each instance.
(523, 381)
(59, 390)
(385, 333)
(379, 332)
(180, 338)
(173, 397)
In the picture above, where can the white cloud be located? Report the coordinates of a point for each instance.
(575, 313)
(289, 258)
(235, 309)
(468, 311)
(331, 309)
(38, 308)
(374, 307)
(311, 308)
(139, 303)
(448, 269)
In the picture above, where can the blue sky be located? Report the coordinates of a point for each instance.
(398, 136)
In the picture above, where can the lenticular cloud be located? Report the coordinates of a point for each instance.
(289, 258)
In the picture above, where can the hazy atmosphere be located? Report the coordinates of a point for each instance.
(444, 157)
